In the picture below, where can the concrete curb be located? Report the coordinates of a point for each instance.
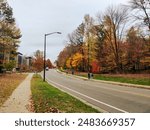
(108, 82)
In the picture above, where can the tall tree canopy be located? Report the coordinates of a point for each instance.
(109, 43)
(142, 11)
(9, 34)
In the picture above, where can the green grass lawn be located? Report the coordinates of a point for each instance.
(140, 81)
(47, 98)
(122, 78)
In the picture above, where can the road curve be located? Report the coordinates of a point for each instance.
(110, 98)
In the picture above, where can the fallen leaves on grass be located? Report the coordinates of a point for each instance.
(48, 99)
(43, 106)
(8, 83)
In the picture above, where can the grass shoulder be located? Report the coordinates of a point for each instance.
(131, 80)
(47, 98)
(139, 79)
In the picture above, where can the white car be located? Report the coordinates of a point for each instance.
(47, 69)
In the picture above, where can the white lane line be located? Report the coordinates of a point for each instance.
(54, 83)
(113, 89)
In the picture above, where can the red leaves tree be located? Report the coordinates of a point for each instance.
(49, 64)
(38, 64)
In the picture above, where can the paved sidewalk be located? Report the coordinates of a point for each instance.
(18, 102)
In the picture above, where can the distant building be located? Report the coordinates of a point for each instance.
(19, 60)
(25, 62)
(29, 62)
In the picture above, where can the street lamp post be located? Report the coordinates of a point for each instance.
(88, 60)
(45, 52)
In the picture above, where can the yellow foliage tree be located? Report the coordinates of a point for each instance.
(68, 63)
(76, 60)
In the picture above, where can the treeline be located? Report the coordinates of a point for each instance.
(9, 36)
(38, 62)
(117, 40)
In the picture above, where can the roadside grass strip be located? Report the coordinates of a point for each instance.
(139, 81)
(122, 79)
(48, 99)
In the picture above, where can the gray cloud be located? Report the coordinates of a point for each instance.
(37, 17)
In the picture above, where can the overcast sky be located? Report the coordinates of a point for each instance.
(37, 17)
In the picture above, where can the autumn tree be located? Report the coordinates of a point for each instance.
(49, 64)
(6, 13)
(101, 52)
(114, 21)
(141, 11)
(76, 39)
(75, 62)
(81, 45)
(9, 34)
(137, 53)
(88, 38)
(107, 43)
(38, 62)
(60, 62)
(68, 63)
(80, 42)
(74, 45)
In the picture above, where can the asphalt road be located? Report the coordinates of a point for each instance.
(110, 98)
